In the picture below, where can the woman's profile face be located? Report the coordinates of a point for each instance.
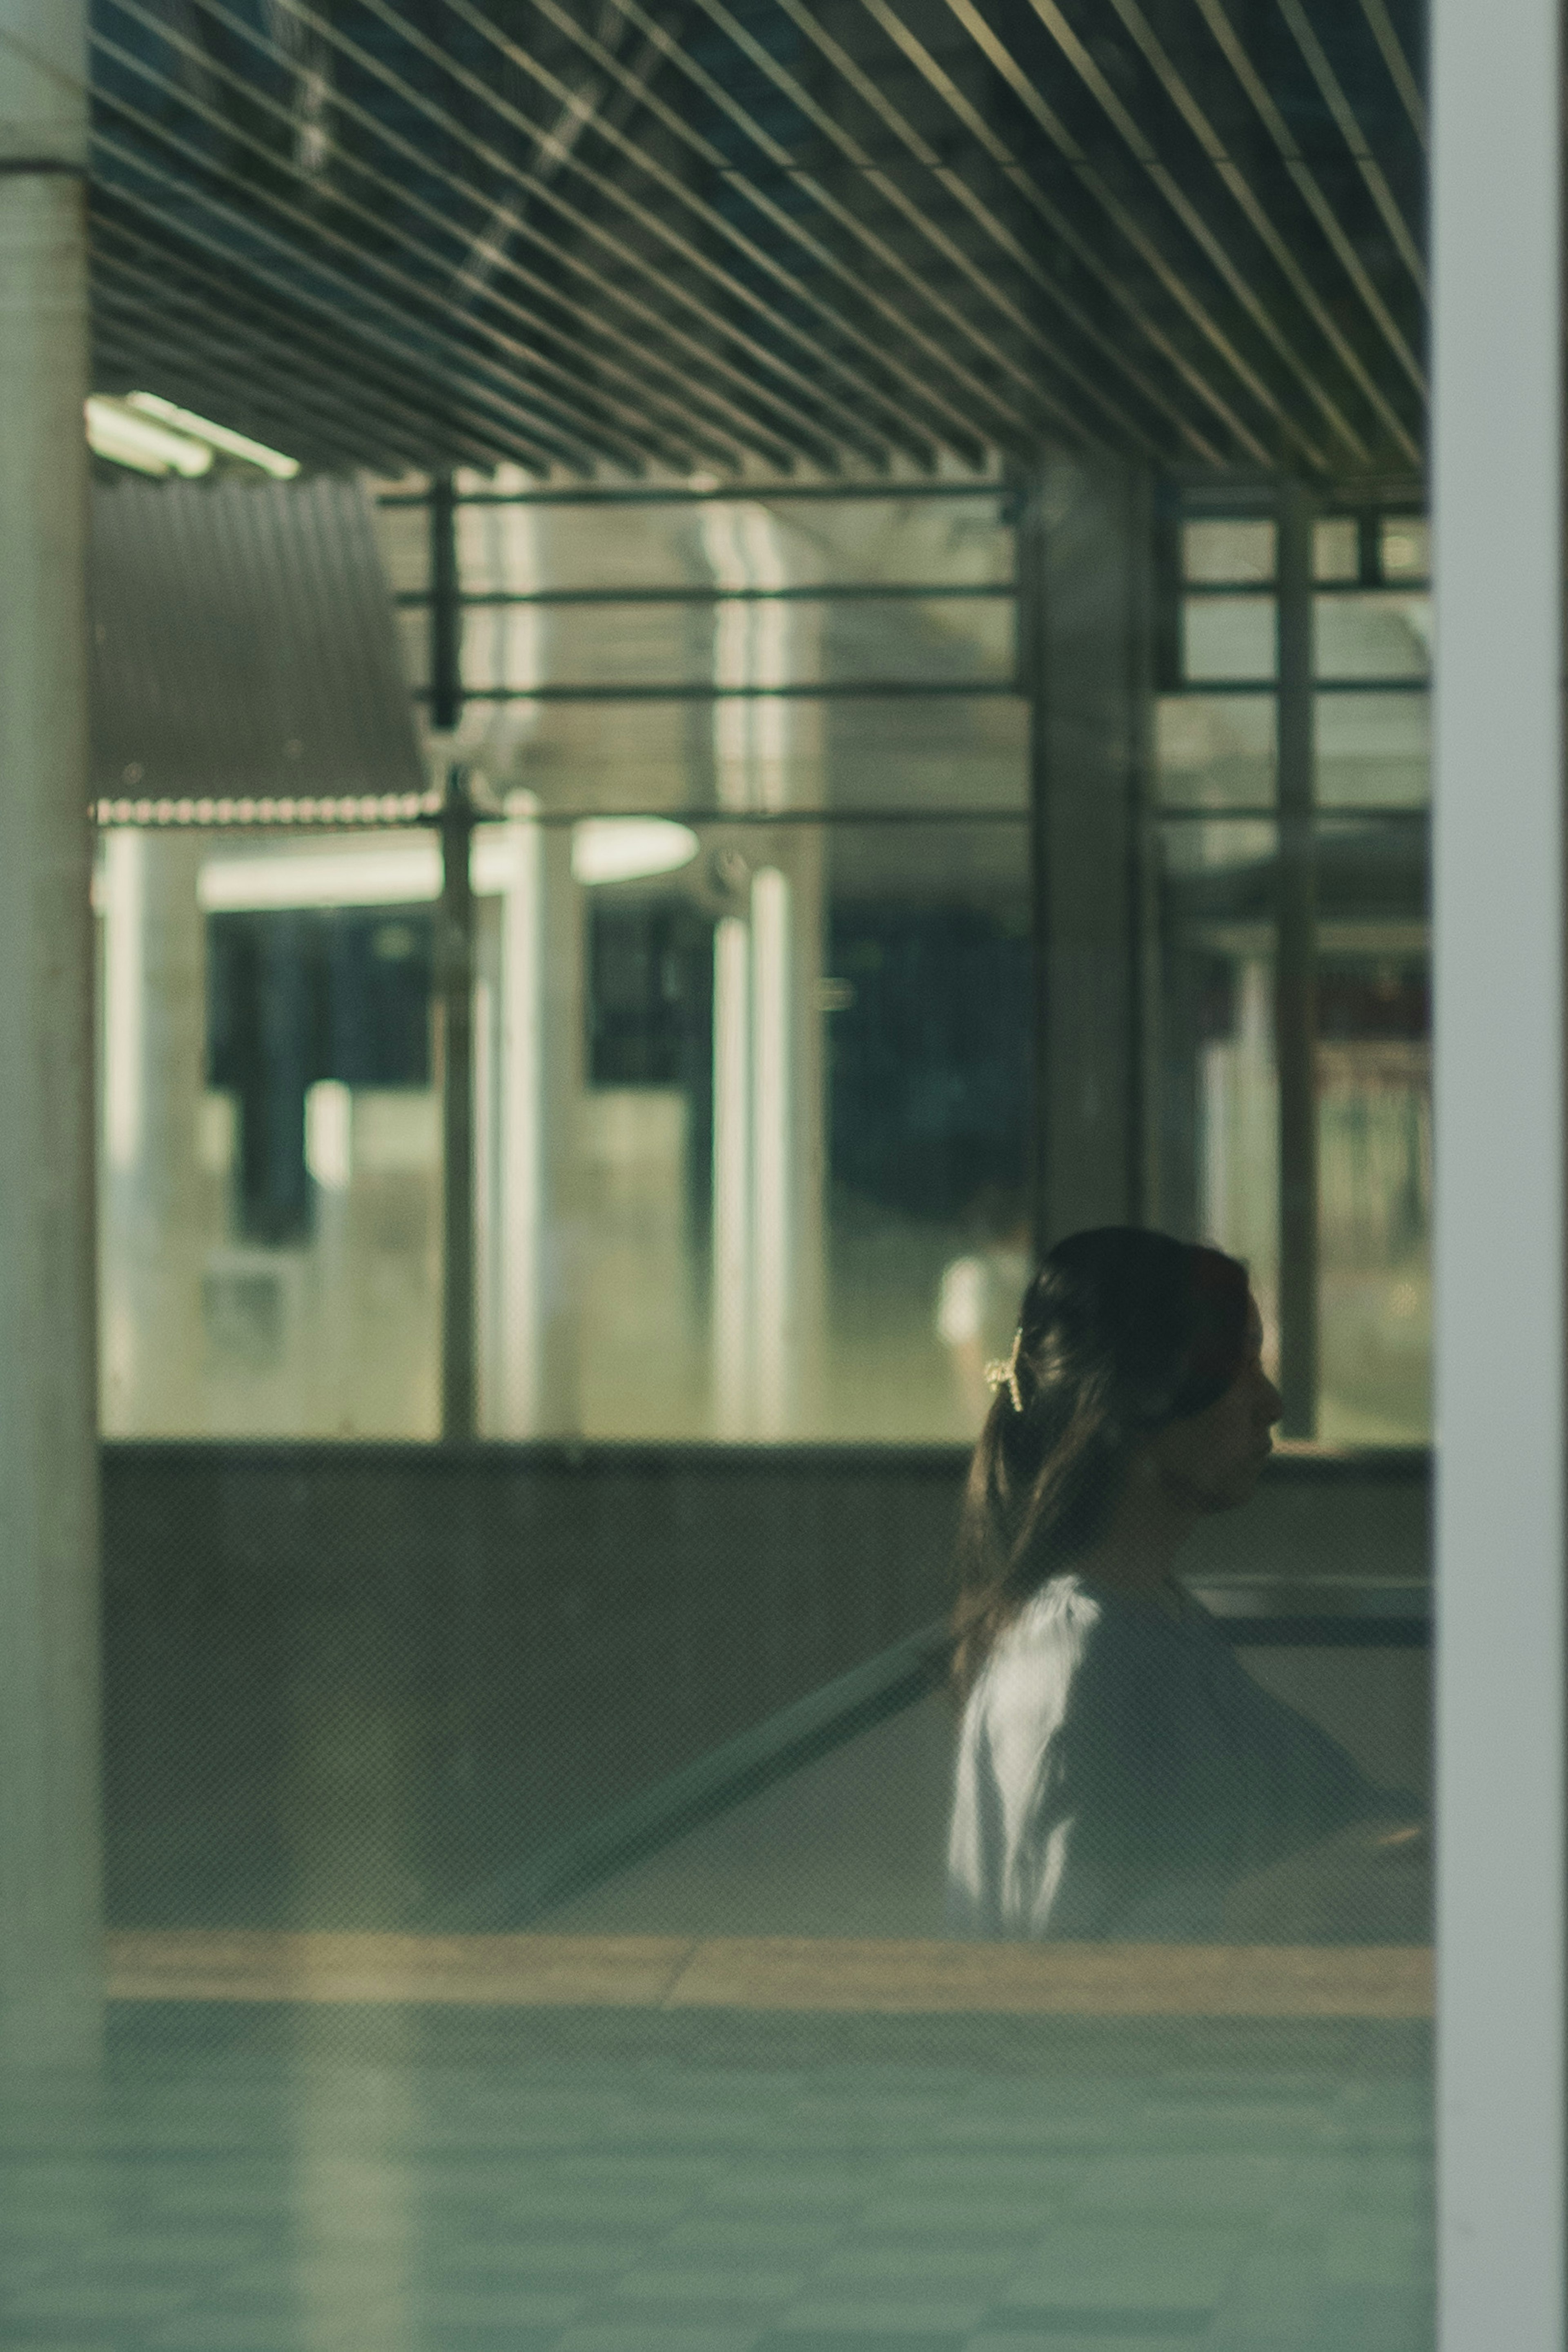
(1214, 1458)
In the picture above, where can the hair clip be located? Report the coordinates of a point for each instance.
(1005, 1375)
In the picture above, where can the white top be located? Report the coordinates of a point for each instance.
(1118, 1771)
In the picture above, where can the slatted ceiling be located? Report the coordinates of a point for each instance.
(747, 235)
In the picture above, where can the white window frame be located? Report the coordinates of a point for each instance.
(1499, 1238)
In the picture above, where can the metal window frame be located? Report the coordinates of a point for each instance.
(1294, 689)
(1498, 1256)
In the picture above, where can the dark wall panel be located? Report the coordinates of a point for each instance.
(347, 1684)
(344, 1682)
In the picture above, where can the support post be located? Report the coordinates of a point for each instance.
(1082, 560)
(445, 610)
(1296, 987)
(1498, 1196)
(455, 987)
(50, 1901)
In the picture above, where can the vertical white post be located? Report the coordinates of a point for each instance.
(766, 1071)
(731, 1280)
(773, 1171)
(49, 1894)
(1498, 1254)
(124, 995)
(124, 1040)
(521, 1112)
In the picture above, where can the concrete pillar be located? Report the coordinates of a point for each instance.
(50, 1971)
(1084, 557)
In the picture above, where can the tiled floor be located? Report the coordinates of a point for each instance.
(272, 2182)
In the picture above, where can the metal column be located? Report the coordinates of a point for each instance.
(1083, 534)
(455, 988)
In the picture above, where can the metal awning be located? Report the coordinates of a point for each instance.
(585, 236)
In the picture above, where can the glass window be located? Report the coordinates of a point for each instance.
(1220, 1098)
(1228, 553)
(797, 1132)
(750, 1094)
(1336, 548)
(1228, 637)
(1374, 1109)
(1405, 547)
(1374, 635)
(911, 742)
(1215, 751)
(271, 1145)
(1372, 749)
(1346, 1281)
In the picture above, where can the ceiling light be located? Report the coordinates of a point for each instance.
(626, 848)
(117, 433)
(217, 436)
(384, 874)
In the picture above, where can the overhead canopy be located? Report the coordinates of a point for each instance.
(591, 235)
(243, 652)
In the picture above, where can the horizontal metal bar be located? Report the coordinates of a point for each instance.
(1221, 589)
(320, 815)
(1198, 687)
(393, 812)
(490, 1461)
(841, 592)
(1268, 812)
(711, 819)
(686, 495)
(842, 690)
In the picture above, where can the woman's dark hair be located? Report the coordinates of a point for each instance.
(1120, 1331)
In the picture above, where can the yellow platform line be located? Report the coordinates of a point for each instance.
(774, 1972)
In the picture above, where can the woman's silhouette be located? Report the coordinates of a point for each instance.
(1118, 1771)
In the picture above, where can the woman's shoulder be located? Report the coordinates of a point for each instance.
(1067, 1624)
(1075, 1630)
(1074, 1654)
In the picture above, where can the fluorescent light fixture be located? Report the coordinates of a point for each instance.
(392, 874)
(626, 848)
(117, 433)
(217, 436)
(407, 871)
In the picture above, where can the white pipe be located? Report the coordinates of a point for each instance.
(1498, 1225)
